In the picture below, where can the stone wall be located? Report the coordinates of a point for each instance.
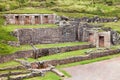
(81, 58)
(42, 52)
(96, 19)
(22, 19)
(46, 35)
(115, 37)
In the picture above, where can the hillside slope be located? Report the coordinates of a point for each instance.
(70, 8)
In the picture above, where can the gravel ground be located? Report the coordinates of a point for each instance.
(103, 70)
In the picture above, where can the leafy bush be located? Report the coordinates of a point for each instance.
(2, 6)
(109, 3)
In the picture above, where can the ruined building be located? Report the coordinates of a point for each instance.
(22, 19)
(69, 31)
(95, 35)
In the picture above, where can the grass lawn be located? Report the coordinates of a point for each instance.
(89, 61)
(30, 10)
(9, 64)
(61, 55)
(28, 47)
(114, 25)
(48, 76)
(69, 54)
(10, 28)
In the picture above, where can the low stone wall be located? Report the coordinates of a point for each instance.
(51, 51)
(42, 52)
(97, 19)
(81, 58)
(18, 54)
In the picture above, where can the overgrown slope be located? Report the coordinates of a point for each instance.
(70, 8)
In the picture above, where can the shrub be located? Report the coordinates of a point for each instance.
(2, 6)
(109, 3)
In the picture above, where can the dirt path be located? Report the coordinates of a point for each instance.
(103, 70)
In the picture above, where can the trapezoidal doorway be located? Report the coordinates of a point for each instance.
(101, 41)
(27, 20)
(36, 19)
(17, 20)
(46, 19)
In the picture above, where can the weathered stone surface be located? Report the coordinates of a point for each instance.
(81, 58)
(115, 37)
(13, 43)
(22, 19)
(46, 35)
(13, 73)
(97, 19)
(42, 52)
(12, 68)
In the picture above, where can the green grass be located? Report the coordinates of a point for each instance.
(70, 54)
(7, 71)
(30, 10)
(12, 50)
(9, 64)
(89, 61)
(10, 28)
(62, 55)
(52, 76)
(48, 76)
(73, 9)
(113, 25)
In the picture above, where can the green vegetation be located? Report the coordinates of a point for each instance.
(9, 64)
(6, 49)
(61, 55)
(48, 76)
(10, 28)
(52, 76)
(89, 61)
(113, 25)
(70, 8)
(103, 8)
(30, 10)
(4, 37)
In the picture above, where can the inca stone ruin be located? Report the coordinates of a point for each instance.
(68, 31)
(23, 19)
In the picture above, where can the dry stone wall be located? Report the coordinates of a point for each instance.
(96, 19)
(81, 58)
(42, 52)
(46, 35)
